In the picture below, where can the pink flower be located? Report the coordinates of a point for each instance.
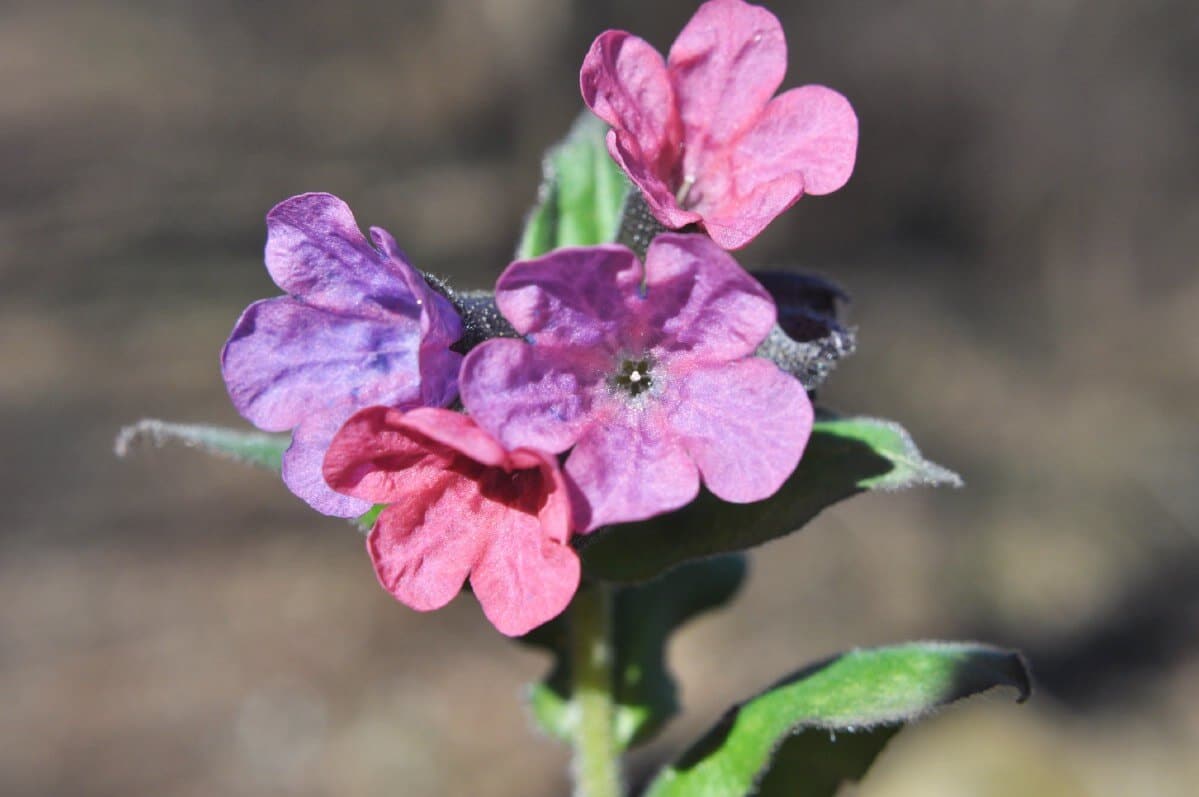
(699, 133)
(648, 373)
(459, 505)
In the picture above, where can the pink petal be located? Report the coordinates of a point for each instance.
(811, 130)
(572, 297)
(523, 579)
(455, 431)
(806, 141)
(744, 424)
(658, 191)
(424, 545)
(725, 66)
(556, 513)
(378, 457)
(303, 468)
(704, 303)
(630, 466)
(286, 361)
(741, 212)
(532, 396)
(624, 82)
(315, 252)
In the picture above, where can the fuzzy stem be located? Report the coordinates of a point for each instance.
(596, 759)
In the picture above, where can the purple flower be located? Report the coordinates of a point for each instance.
(359, 328)
(647, 372)
(699, 133)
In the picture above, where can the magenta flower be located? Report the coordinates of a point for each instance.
(699, 133)
(648, 373)
(459, 506)
(359, 328)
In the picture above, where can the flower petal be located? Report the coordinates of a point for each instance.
(725, 65)
(456, 432)
(806, 141)
(744, 424)
(286, 361)
(524, 578)
(739, 213)
(659, 195)
(381, 456)
(424, 545)
(704, 304)
(315, 251)
(440, 328)
(811, 130)
(531, 396)
(624, 82)
(630, 466)
(303, 468)
(572, 297)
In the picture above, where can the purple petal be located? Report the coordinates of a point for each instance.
(725, 66)
(745, 424)
(303, 467)
(286, 361)
(628, 466)
(582, 296)
(315, 251)
(531, 396)
(440, 326)
(705, 305)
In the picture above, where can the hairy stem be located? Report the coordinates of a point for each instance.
(596, 759)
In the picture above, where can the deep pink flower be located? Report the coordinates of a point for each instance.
(699, 134)
(359, 328)
(649, 374)
(459, 505)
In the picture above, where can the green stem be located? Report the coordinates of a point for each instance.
(596, 759)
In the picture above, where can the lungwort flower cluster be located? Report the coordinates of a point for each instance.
(631, 382)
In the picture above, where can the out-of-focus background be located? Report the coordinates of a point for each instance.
(1020, 238)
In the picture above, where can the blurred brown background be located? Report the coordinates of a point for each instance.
(1020, 237)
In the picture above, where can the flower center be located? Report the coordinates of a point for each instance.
(633, 377)
(683, 195)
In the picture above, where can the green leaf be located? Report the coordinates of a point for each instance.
(644, 617)
(825, 724)
(844, 457)
(582, 194)
(367, 520)
(251, 448)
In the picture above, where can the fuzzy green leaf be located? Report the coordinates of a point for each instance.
(844, 457)
(644, 617)
(582, 194)
(251, 448)
(825, 724)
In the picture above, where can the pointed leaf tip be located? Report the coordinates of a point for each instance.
(251, 448)
(824, 725)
